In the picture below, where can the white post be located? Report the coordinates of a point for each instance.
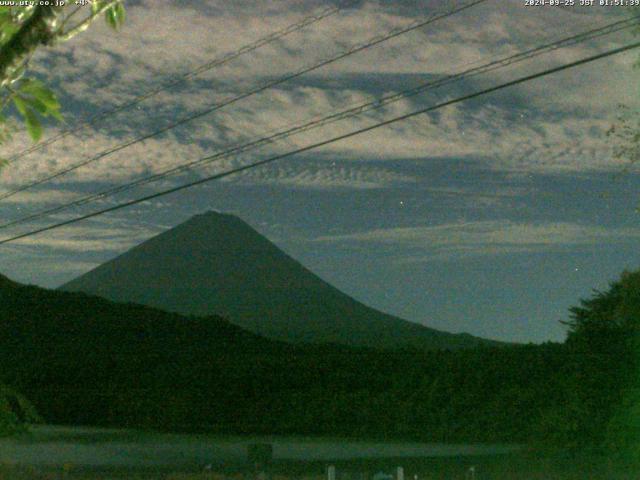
(331, 472)
(400, 473)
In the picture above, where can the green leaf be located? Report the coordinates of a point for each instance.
(40, 98)
(20, 105)
(111, 19)
(115, 16)
(32, 98)
(37, 105)
(34, 127)
(7, 30)
(33, 86)
(44, 109)
(121, 13)
(38, 90)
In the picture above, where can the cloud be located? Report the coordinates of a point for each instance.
(329, 175)
(105, 236)
(560, 128)
(31, 197)
(456, 240)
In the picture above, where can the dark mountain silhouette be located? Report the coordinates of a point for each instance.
(217, 264)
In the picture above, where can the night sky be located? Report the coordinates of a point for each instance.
(491, 216)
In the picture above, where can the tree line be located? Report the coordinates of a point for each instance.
(84, 360)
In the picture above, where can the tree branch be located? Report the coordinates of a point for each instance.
(37, 30)
(83, 25)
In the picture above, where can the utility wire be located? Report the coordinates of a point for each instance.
(313, 146)
(338, 116)
(351, 51)
(217, 62)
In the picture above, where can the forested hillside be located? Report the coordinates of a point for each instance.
(85, 360)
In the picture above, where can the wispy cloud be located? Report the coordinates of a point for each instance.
(86, 238)
(462, 239)
(325, 175)
(100, 69)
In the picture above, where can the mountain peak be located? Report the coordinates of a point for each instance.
(215, 214)
(213, 218)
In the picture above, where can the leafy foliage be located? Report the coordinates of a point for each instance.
(32, 99)
(114, 15)
(10, 20)
(607, 326)
(21, 33)
(609, 321)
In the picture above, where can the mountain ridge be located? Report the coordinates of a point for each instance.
(215, 263)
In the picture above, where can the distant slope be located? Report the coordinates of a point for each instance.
(83, 359)
(217, 264)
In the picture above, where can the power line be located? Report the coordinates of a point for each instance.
(351, 51)
(340, 115)
(217, 62)
(313, 146)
